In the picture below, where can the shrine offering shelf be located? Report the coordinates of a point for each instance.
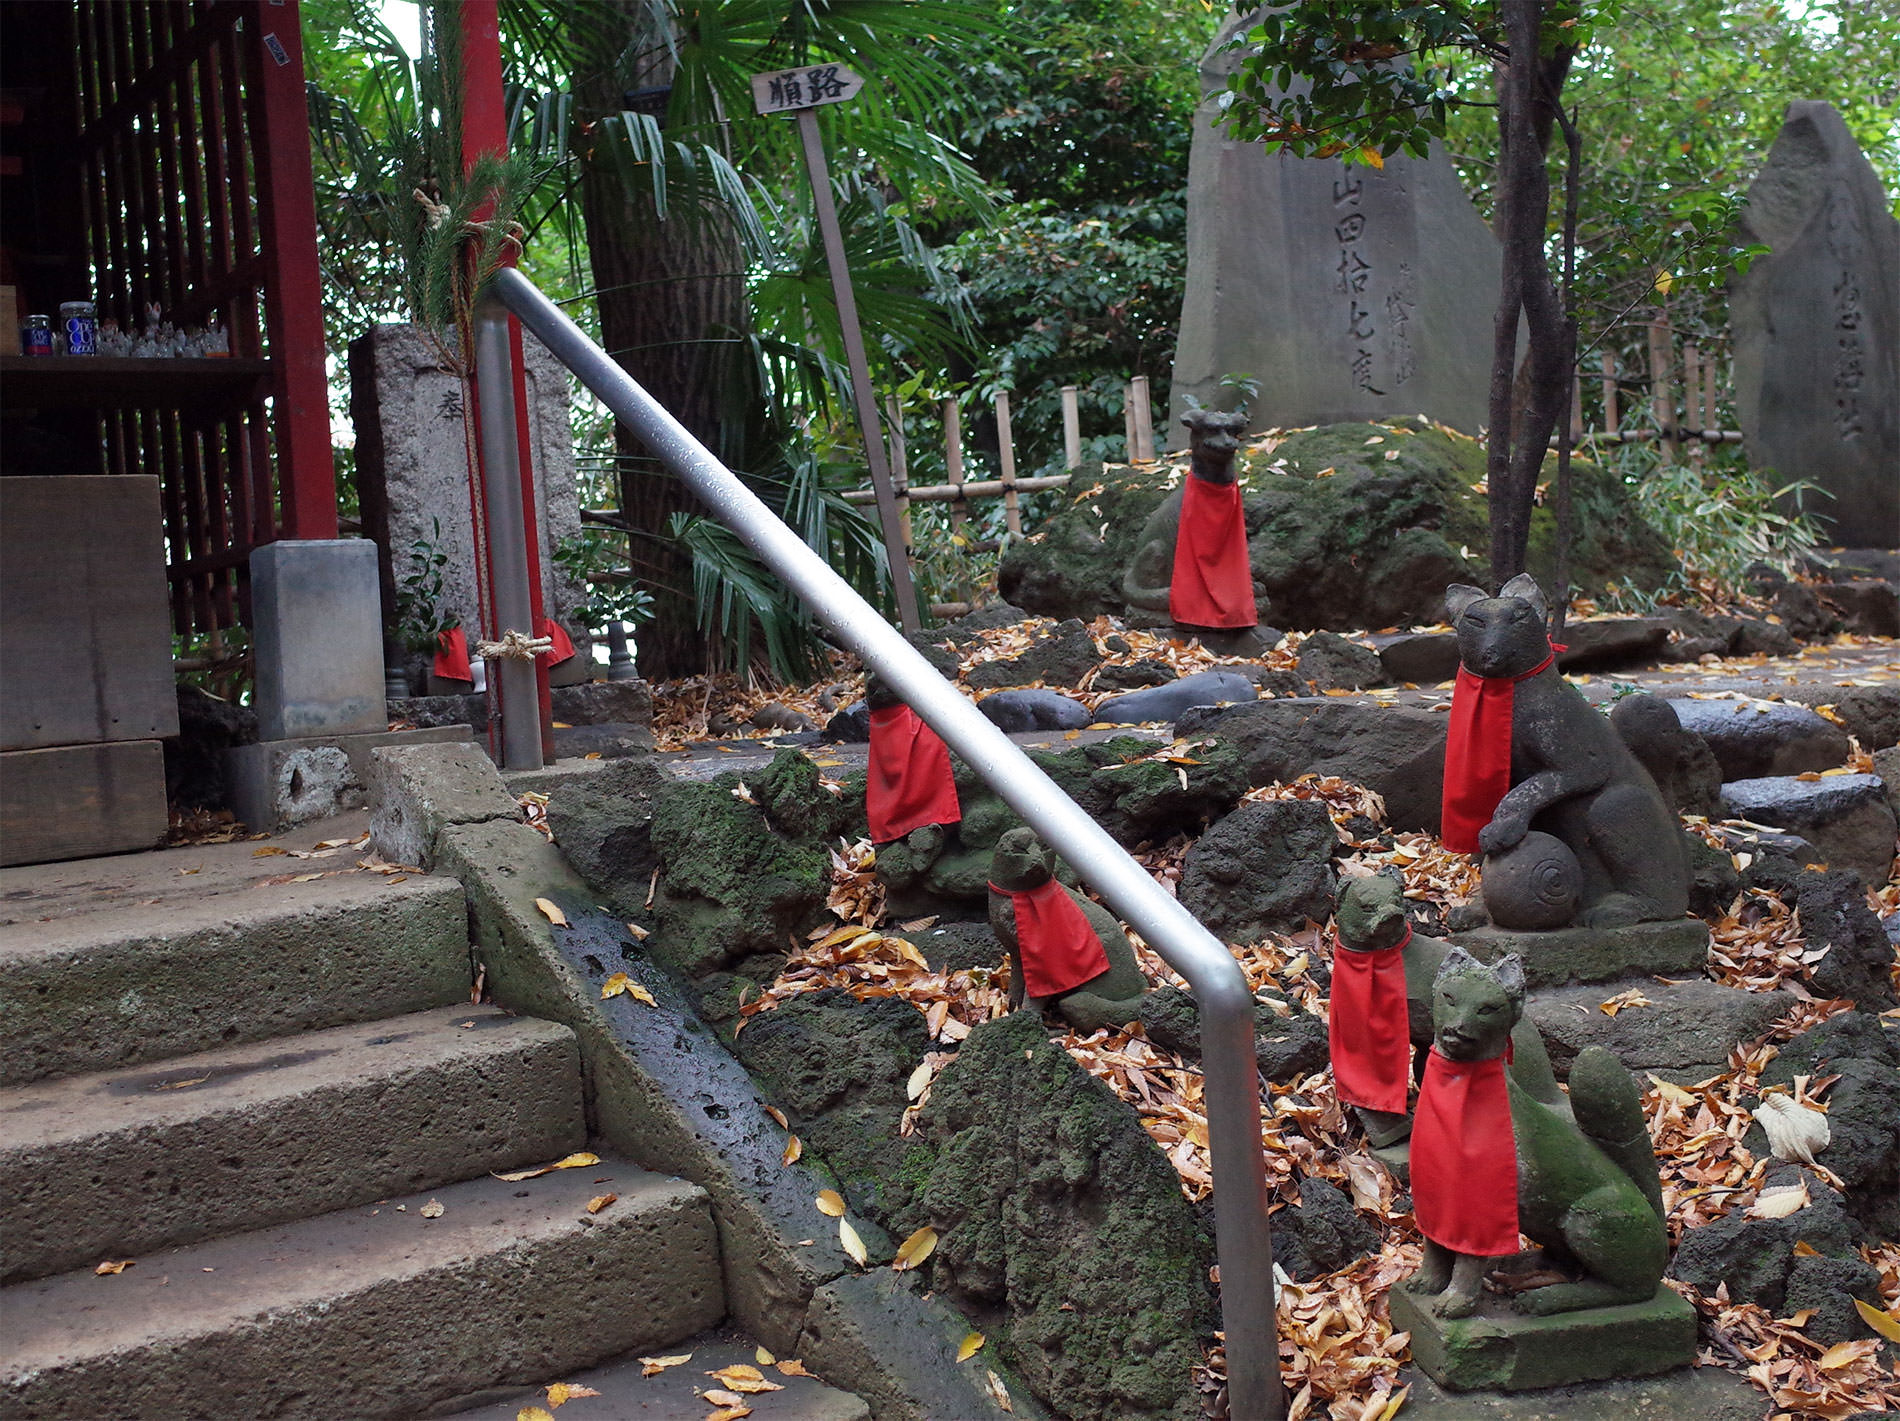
(104, 382)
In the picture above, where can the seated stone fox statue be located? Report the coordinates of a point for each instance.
(1489, 1162)
(1525, 751)
(1191, 561)
(1065, 951)
(1382, 1009)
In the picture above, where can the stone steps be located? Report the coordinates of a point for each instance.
(134, 983)
(125, 1162)
(374, 1311)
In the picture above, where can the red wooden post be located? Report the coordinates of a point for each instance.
(293, 282)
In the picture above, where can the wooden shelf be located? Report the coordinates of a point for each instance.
(102, 382)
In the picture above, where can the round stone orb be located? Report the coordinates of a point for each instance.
(1534, 886)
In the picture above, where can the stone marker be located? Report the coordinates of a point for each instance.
(1348, 292)
(1816, 325)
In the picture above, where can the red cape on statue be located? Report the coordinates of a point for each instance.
(909, 783)
(563, 648)
(1058, 949)
(1464, 1157)
(1478, 753)
(1212, 585)
(1371, 1035)
(451, 656)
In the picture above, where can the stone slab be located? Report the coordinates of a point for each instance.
(276, 784)
(1551, 959)
(416, 791)
(1686, 1394)
(327, 1120)
(75, 801)
(316, 638)
(373, 1311)
(85, 617)
(1501, 1349)
(1685, 1031)
(1752, 738)
(1846, 817)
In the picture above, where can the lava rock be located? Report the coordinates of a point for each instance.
(1871, 714)
(1321, 1234)
(194, 758)
(1289, 1047)
(1033, 708)
(1174, 699)
(1755, 739)
(1263, 868)
(604, 825)
(1331, 663)
(1150, 800)
(1846, 817)
(1713, 878)
(1754, 1256)
(1599, 642)
(850, 726)
(1170, 1019)
(984, 619)
(1841, 1037)
(1422, 658)
(1061, 658)
(1829, 1287)
(1887, 766)
(1868, 608)
(1834, 915)
(958, 947)
(1133, 675)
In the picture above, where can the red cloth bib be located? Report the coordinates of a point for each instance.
(1212, 585)
(1478, 754)
(909, 783)
(1058, 949)
(451, 656)
(1371, 1027)
(563, 648)
(1464, 1157)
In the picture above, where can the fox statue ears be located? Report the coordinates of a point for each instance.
(1508, 970)
(1459, 596)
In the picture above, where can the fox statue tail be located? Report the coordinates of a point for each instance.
(1609, 1111)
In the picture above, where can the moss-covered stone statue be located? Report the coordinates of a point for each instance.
(1382, 1011)
(1490, 1161)
(1065, 951)
(1572, 826)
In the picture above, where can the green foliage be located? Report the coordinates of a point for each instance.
(591, 557)
(420, 593)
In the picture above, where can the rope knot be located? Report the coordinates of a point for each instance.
(514, 646)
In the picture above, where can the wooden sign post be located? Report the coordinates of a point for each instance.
(800, 92)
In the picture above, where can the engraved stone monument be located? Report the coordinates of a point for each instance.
(1816, 326)
(1347, 292)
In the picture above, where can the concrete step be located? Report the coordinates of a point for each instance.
(129, 1161)
(626, 1395)
(100, 990)
(375, 1311)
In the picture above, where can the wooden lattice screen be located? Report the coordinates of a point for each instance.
(195, 155)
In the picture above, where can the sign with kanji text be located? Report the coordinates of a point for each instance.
(784, 90)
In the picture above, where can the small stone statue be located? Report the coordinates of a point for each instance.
(1527, 752)
(1488, 1161)
(1382, 1010)
(1191, 560)
(1064, 950)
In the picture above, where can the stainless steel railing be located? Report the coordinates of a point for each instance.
(1219, 987)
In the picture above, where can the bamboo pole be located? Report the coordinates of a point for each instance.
(949, 493)
(1144, 432)
(1662, 403)
(1576, 407)
(1692, 398)
(900, 473)
(1071, 427)
(1006, 452)
(953, 462)
(1609, 392)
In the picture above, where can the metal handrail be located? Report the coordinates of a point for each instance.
(1219, 987)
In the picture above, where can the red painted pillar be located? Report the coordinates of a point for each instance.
(485, 131)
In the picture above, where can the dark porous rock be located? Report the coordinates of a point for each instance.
(1841, 1037)
(1868, 608)
(1175, 698)
(430, 712)
(776, 715)
(1271, 681)
(957, 947)
(1331, 663)
(1263, 868)
(604, 826)
(1421, 658)
(983, 619)
(1871, 714)
(1172, 1021)
(1686, 1029)
(1799, 609)
(1846, 817)
(1033, 708)
(1133, 675)
(607, 741)
(1713, 878)
(1834, 915)
(837, 1066)
(1061, 1218)
(1599, 642)
(1287, 1048)
(1829, 1287)
(1692, 648)
(194, 758)
(1763, 638)
(1149, 799)
(1863, 1149)
(1062, 657)
(1321, 1234)
(1754, 739)
(1754, 1256)
(603, 703)
(850, 726)
(1887, 767)
(1394, 750)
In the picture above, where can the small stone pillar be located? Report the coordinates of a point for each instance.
(317, 636)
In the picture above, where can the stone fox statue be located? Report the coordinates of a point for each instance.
(1064, 950)
(1213, 440)
(1570, 774)
(1586, 1191)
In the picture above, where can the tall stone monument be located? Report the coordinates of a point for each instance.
(1816, 326)
(1347, 292)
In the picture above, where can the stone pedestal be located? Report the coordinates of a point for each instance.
(317, 638)
(278, 783)
(1501, 1349)
(1675, 948)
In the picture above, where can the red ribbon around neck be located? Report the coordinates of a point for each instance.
(451, 656)
(1464, 1157)
(563, 647)
(1057, 948)
(909, 783)
(1370, 1030)
(1478, 753)
(1212, 584)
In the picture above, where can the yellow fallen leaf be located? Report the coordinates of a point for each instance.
(793, 1149)
(431, 1210)
(728, 1413)
(778, 1115)
(621, 985)
(915, 1249)
(852, 1244)
(1781, 1202)
(551, 911)
(266, 852)
(737, 1372)
(970, 1346)
(1843, 1354)
(562, 1392)
(1392, 1405)
(791, 1367)
(831, 1202)
(533, 1413)
(653, 1366)
(599, 1202)
(1885, 1323)
(919, 1079)
(639, 932)
(998, 1392)
(580, 1159)
(110, 1267)
(180, 1085)
(714, 1396)
(1804, 1249)
(763, 1357)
